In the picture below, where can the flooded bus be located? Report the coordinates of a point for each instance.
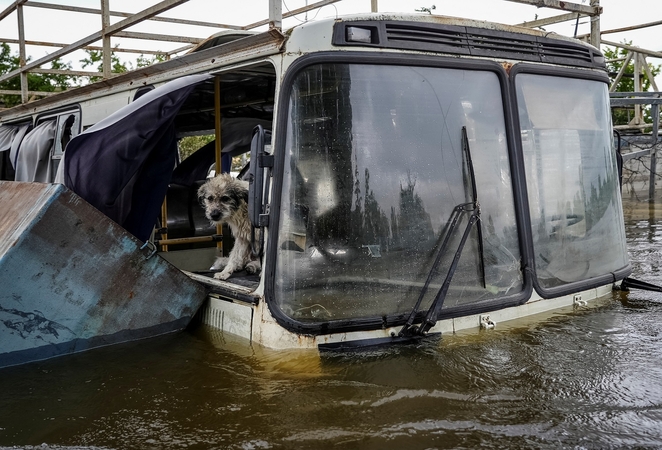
(409, 175)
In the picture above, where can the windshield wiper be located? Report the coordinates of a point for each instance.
(430, 319)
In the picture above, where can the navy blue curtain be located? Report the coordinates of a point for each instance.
(123, 164)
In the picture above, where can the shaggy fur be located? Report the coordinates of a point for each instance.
(225, 200)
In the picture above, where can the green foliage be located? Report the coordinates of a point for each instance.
(188, 145)
(615, 59)
(94, 60)
(42, 82)
(614, 66)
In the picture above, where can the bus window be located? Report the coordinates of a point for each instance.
(572, 178)
(33, 162)
(373, 172)
(68, 126)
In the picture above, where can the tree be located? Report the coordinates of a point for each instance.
(45, 82)
(190, 144)
(94, 60)
(41, 82)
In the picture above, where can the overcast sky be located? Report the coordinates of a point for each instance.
(67, 27)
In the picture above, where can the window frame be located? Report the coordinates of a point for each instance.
(59, 116)
(562, 72)
(515, 163)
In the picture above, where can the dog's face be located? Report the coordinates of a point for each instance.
(222, 196)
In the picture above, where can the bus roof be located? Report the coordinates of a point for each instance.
(389, 31)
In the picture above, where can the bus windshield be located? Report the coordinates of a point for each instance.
(374, 168)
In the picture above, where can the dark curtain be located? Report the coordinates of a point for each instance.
(123, 164)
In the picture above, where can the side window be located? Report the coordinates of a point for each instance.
(142, 91)
(68, 126)
(11, 137)
(40, 152)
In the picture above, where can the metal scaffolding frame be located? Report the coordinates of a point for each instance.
(636, 101)
(639, 139)
(120, 29)
(107, 31)
(647, 143)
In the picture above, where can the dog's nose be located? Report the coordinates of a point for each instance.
(215, 215)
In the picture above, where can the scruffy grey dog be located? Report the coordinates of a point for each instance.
(225, 200)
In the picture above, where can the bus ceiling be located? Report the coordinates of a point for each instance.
(244, 93)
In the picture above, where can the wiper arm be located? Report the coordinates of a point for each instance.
(433, 313)
(453, 221)
(435, 308)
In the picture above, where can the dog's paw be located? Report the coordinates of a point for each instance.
(219, 263)
(222, 275)
(253, 267)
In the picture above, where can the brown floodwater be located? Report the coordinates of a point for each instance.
(584, 378)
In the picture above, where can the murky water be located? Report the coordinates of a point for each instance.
(589, 378)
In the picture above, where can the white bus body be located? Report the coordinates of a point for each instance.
(424, 174)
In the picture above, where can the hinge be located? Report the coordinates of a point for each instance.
(265, 160)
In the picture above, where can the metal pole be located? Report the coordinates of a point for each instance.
(373, 6)
(164, 224)
(152, 11)
(655, 112)
(217, 145)
(637, 88)
(105, 23)
(648, 72)
(21, 53)
(595, 25)
(275, 14)
(621, 72)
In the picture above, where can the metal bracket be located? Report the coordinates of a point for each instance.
(486, 323)
(577, 300)
(150, 245)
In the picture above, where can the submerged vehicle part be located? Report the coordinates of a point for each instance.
(363, 213)
(72, 279)
(368, 132)
(474, 219)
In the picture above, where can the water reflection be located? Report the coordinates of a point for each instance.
(585, 378)
(376, 164)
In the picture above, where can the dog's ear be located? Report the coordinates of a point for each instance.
(202, 193)
(238, 194)
(243, 194)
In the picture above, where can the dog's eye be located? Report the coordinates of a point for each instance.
(210, 198)
(225, 198)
